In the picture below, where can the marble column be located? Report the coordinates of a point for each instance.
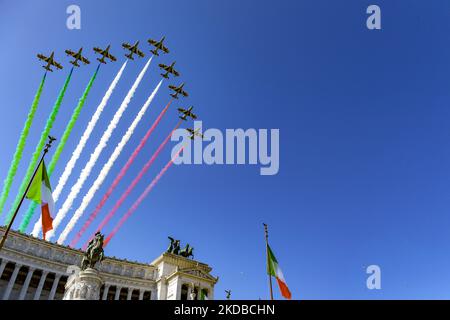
(105, 292)
(38, 292)
(12, 281)
(117, 296)
(178, 290)
(130, 292)
(141, 294)
(54, 287)
(26, 284)
(2, 266)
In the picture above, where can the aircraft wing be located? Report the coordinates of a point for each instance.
(98, 50)
(85, 61)
(152, 42)
(165, 49)
(110, 56)
(184, 93)
(193, 116)
(163, 66)
(181, 110)
(126, 45)
(175, 73)
(42, 57)
(139, 53)
(71, 53)
(172, 87)
(56, 64)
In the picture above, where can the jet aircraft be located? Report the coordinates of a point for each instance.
(50, 61)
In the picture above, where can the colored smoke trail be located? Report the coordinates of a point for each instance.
(37, 153)
(119, 177)
(141, 198)
(80, 147)
(106, 168)
(76, 188)
(20, 146)
(130, 188)
(62, 143)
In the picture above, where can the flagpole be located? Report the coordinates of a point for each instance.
(8, 228)
(266, 232)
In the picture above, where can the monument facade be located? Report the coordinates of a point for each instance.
(34, 269)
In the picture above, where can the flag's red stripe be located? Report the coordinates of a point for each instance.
(284, 289)
(47, 220)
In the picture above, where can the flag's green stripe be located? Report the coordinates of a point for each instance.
(40, 146)
(76, 113)
(20, 146)
(271, 263)
(34, 193)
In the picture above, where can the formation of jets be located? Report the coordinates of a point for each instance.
(77, 57)
(132, 49)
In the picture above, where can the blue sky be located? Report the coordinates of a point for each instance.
(364, 151)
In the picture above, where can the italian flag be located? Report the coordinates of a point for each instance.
(41, 192)
(273, 269)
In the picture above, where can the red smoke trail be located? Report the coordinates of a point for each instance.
(119, 177)
(141, 198)
(129, 189)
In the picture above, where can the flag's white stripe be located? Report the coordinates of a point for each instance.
(46, 195)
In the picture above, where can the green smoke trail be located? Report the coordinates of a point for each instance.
(40, 146)
(21, 145)
(76, 113)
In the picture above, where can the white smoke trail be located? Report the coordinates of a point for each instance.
(106, 168)
(76, 188)
(77, 152)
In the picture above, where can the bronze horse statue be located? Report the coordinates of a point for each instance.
(187, 251)
(94, 252)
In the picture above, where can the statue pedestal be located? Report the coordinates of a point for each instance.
(83, 285)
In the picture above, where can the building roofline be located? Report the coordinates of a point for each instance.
(167, 257)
